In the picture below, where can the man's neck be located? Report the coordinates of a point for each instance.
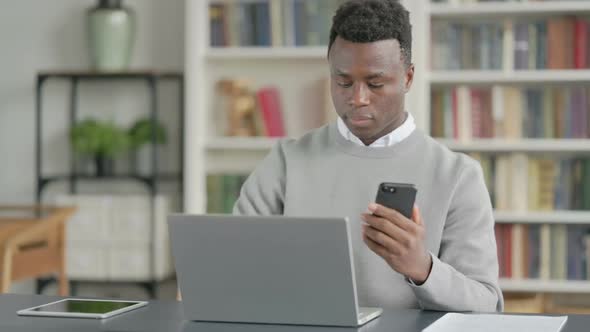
(396, 123)
(393, 137)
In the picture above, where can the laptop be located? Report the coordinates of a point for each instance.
(272, 269)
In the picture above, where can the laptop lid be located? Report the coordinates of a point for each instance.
(272, 269)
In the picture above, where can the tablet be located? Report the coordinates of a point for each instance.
(82, 308)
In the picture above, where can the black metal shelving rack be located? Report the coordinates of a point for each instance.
(152, 78)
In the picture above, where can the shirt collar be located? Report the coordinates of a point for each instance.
(396, 136)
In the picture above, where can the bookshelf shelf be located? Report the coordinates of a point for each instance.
(509, 77)
(241, 53)
(476, 145)
(545, 286)
(511, 9)
(540, 217)
(241, 143)
(578, 146)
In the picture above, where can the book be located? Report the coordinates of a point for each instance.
(558, 42)
(452, 322)
(521, 45)
(510, 112)
(581, 44)
(269, 104)
(222, 191)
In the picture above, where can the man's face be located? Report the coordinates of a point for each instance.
(368, 84)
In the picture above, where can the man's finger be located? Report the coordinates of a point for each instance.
(375, 247)
(385, 226)
(416, 216)
(382, 239)
(393, 216)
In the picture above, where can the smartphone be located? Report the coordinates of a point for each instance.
(397, 196)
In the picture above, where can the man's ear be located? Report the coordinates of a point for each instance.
(409, 78)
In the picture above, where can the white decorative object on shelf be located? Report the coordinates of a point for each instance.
(109, 238)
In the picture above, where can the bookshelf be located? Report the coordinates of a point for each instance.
(521, 228)
(299, 72)
(296, 70)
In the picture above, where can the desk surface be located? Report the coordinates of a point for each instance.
(168, 316)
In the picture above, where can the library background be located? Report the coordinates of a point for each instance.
(507, 82)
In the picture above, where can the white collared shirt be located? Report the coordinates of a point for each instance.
(396, 136)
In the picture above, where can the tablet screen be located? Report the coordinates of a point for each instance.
(84, 306)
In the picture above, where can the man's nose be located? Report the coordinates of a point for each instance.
(360, 95)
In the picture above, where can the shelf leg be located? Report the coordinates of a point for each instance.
(73, 111)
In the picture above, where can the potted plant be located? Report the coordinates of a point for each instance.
(101, 141)
(140, 135)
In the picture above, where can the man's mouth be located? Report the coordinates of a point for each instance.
(360, 120)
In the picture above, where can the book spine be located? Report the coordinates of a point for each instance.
(581, 43)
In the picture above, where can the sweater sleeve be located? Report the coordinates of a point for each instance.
(263, 192)
(464, 276)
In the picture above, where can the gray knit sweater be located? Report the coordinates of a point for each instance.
(323, 174)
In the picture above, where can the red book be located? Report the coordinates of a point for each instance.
(580, 43)
(269, 102)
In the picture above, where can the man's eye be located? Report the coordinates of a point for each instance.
(345, 84)
(375, 85)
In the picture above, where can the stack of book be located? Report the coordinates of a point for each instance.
(543, 251)
(271, 22)
(518, 182)
(510, 112)
(222, 191)
(554, 43)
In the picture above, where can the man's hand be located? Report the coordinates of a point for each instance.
(398, 240)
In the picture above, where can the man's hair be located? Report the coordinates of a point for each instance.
(367, 21)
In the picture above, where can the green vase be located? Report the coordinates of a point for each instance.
(111, 35)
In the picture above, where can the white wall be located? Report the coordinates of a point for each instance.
(50, 35)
